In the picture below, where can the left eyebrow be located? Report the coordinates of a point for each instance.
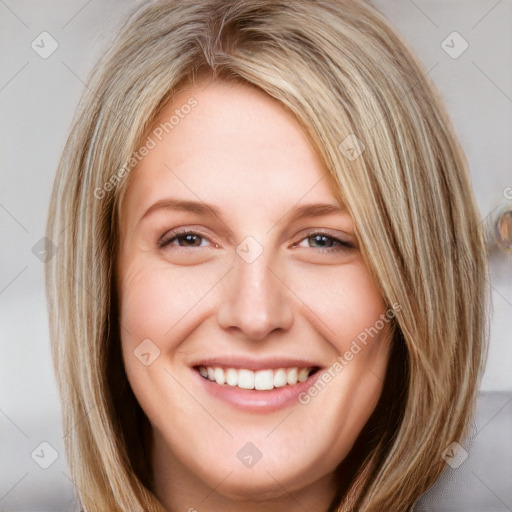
(316, 210)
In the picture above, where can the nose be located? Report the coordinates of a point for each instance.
(255, 299)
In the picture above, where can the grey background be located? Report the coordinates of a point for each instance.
(37, 100)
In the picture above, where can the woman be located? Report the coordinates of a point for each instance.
(270, 283)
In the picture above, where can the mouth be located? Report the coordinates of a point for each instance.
(256, 386)
(260, 380)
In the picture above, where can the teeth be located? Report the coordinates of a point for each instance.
(303, 374)
(218, 375)
(231, 377)
(280, 378)
(291, 377)
(245, 379)
(264, 379)
(259, 380)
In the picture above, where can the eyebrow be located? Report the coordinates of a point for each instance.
(209, 210)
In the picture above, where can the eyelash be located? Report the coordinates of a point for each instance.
(173, 235)
(343, 245)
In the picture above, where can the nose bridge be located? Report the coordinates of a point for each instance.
(255, 299)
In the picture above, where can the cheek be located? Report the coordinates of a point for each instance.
(164, 305)
(343, 301)
(156, 303)
(155, 298)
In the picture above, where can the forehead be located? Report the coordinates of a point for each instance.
(232, 144)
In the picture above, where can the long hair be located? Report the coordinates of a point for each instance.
(385, 137)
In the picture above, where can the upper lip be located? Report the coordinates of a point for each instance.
(268, 363)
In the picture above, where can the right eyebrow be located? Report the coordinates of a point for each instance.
(183, 205)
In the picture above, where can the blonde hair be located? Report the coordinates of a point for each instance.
(343, 72)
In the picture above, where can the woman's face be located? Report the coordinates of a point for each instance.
(268, 290)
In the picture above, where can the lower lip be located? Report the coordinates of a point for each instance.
(258, 401)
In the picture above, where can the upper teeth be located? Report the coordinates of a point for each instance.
(260, 380)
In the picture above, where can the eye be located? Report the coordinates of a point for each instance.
(326, 243)
(188, 238)
(185, 238)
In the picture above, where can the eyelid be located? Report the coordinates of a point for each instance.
(170, 235)
(343, 238)
(166, 238)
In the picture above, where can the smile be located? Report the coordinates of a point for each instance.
(261, 380)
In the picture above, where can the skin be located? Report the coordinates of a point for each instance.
(239, 150)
